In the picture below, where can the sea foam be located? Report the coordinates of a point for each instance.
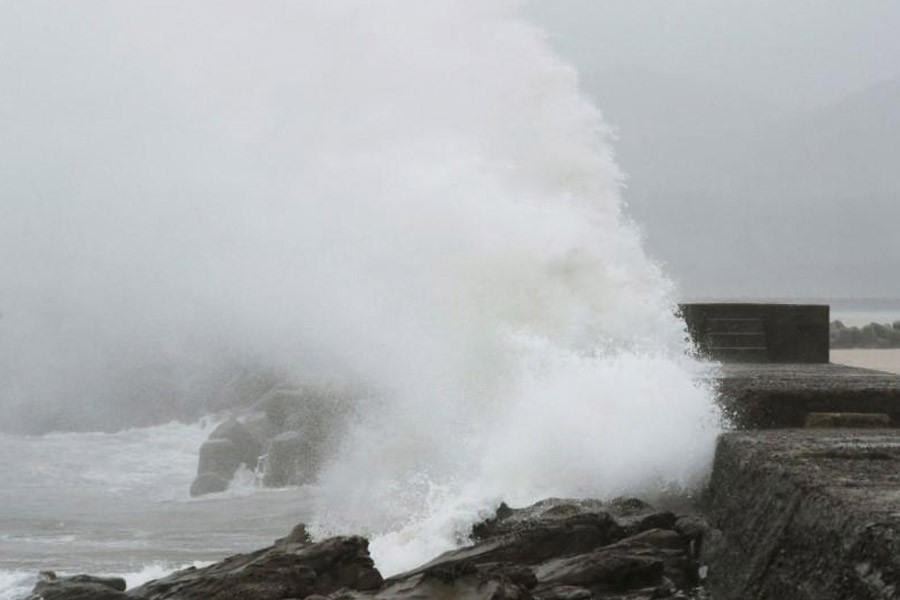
(415, 196)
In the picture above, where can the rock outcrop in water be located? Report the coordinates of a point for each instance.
(78, 587)
(283, 435)
(553, 550)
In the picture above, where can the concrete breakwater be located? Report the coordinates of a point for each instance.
(806, 515)
(804, 497)
(806, 500)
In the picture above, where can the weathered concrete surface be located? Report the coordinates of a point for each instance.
(806, 514)
(763, 396)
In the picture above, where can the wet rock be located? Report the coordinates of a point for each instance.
(532, 541)
(553, 550)
(291, 569)
(247, 447)
(507, 520)
(209, 483)
(229, 446)
(258, 426)
(603, 569)
(279, 404)
(298, 535)
(563, 592)
(287, 432)
(704, 540)
(657, 538)
(633, 524)
(461, 581)
(288, 461)
(219, 460)
(577, 549)
(78, 587)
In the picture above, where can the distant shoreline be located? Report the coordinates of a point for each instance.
(873, 336)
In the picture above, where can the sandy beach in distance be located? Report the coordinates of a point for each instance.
(881, 360)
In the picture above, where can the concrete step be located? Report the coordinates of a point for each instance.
(739, 354)
(715, 339)
(782, 395)
(735, 325)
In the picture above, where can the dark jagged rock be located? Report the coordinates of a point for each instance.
(576, 549)
(609, 569)
(247, 445)
(78, 587)
(532, 541)
(292, 568)
(462, 581)
(298, 535)
(553, 550)
(636, 523)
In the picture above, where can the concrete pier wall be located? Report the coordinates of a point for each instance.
(806, 515)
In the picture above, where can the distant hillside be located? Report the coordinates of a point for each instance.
(740, 198)
(672, 130)
(847, 149)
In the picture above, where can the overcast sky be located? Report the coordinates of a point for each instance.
(760, 138)
(760, 149)
(798, 52)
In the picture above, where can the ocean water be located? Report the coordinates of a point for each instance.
(414, 199)
(118, 504)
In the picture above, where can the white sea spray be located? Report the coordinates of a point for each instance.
(414, 196)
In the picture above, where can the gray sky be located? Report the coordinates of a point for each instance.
(801, 53)
(139, 170)
(760, 138)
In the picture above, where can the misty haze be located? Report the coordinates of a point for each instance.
(378, 267)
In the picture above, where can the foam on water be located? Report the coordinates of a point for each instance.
(155, 463)
(413, 196)
(15, 585)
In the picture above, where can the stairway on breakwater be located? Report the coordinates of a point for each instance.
(736, 339)
(774, 370)
(735, 332)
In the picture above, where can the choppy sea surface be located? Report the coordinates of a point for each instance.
(118, 504)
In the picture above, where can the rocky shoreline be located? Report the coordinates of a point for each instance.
(556, 549)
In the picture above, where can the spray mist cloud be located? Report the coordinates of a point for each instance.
(412, 195)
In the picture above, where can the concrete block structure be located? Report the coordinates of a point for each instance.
(759, 333)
